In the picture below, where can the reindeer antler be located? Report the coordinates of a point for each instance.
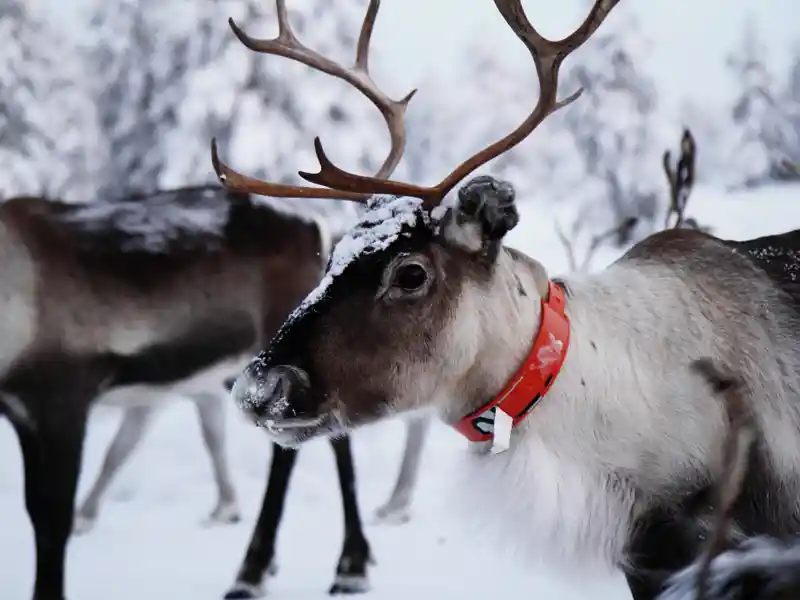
(547, 55)
(287, 45)
(680, 178)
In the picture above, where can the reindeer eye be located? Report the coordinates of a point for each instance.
(410, 277)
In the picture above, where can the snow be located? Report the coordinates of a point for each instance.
(733, 215)
(154, 222)
(149, 542)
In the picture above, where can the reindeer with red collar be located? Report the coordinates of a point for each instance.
(591, 434)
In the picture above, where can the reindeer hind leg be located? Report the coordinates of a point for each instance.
(130, 433)
(396, 510)
(211, 414)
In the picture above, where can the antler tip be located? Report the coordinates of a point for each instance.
(239, 33)
(215, 162)
(407, 98)
(324, 162)
(568, 100)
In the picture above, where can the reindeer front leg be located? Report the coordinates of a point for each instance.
(58, 391)
(351, 573)
(663, 543)
(260, 557)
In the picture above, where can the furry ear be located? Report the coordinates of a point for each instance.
(484, 214)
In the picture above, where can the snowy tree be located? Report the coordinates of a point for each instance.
(758, 145)
(603, 151)
(266, 110)
(478, 101)
(46, 124)
(790, 101)
(141, 65)
(422, 159)
(617, 135)
(708, 124)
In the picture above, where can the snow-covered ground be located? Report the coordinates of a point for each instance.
(149, 542)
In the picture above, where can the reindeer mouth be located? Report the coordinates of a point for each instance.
(291, 432)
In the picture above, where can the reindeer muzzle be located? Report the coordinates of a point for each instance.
(278, 399)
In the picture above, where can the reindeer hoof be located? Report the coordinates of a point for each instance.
(224, 514)
(83, 524)
(349, 584)
(391, 515)
(242, 590)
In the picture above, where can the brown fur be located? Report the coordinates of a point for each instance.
(109, 305)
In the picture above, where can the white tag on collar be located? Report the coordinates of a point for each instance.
(501, 439)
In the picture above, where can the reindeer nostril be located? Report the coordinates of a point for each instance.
(271, 394)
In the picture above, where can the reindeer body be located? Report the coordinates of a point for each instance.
(623, 431)
(600, 472)
(85, 284)
(133, 301)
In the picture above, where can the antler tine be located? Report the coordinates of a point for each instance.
(548, 55)
(237, 182)
(287, 45)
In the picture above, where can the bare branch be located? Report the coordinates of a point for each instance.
(598, 240)
(569, 248)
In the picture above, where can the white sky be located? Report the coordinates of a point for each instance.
(689, 37)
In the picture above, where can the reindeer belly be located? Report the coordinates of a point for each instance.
(209, 379)
(128, 317)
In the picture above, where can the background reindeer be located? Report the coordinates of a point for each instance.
(92, 307)
(599, 473)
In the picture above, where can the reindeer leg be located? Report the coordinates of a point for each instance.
(351, 572)
(260, 557)
(52, 462)
(61, 390)
(131, 431)
(663, 544)
(211, 413)
(396, 509)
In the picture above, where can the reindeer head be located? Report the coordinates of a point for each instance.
(409, 310)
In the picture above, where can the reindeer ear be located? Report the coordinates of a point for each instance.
(484, 214)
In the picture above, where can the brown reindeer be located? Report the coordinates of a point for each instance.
(169, 293)
(589, 433)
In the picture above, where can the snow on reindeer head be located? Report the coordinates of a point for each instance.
(413, 293)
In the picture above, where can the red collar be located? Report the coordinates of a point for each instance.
(533, 379)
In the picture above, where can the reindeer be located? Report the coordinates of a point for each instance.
(588, 433)
(158, 295)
